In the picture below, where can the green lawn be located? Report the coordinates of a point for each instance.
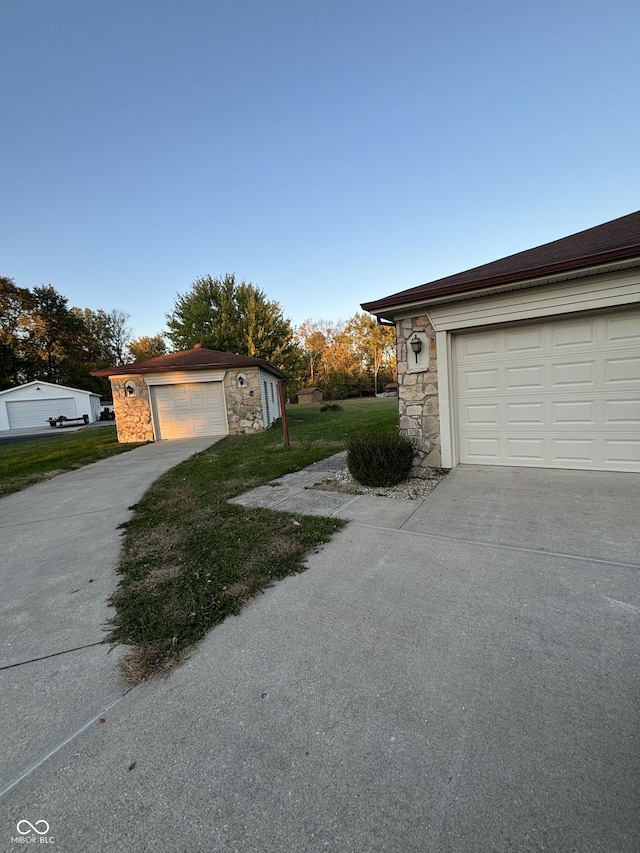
(25, 463)
(190, 558)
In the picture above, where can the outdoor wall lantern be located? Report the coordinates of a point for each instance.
(416, 345)
(241, 380)
(129, 389)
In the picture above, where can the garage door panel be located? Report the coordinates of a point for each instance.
(481, 346)
(529, 340)
(622, 329)
(524, 377)
(521, 451)
(579, 412)
(189, 410)
(623, 452)
(622, 370)
(574, 405)
(622, 412)
(572, 450)
(482, 415)
(482, 380)
(573, 335)
(519, 414)
(483, 450)
(573, 374)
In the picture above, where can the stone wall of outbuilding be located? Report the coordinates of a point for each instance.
(133, 411)
(244, 405)
(418, 412)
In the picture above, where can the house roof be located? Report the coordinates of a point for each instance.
(613, 241)
(50, 385)
(198, 358)
(309, 390)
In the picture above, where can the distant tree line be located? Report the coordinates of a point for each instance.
(351, 359)
(42, 338)
(356, 358)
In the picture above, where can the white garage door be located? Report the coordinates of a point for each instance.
(35, 413)
(189, 410)
(556, 394)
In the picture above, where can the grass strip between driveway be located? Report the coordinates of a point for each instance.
(190, 559)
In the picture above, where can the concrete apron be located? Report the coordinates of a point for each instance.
(459, 675)
(60, 546)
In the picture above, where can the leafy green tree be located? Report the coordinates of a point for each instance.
(53, 340)
(102, 343)
(119, 334)
(223, 315)
(140, 349)
(42, 338)
(15, 303)
(97, 343)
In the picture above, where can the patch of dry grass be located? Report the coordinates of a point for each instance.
(190, 559)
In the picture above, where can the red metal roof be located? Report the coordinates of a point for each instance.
(613, 241)
(198, 358)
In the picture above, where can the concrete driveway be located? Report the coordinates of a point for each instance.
(59, 545)
(459, 674)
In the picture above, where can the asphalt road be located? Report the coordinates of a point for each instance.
(17, 436)
(20, 439)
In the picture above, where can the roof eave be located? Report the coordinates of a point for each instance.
(387, 307)
(130, 370)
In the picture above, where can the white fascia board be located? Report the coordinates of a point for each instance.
(183, 377)
(610, 291)
(627, 271)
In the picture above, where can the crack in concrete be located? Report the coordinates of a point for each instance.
(52, 655)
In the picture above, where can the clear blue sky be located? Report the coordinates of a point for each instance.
(331, 152)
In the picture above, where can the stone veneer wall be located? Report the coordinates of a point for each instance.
(418, 412)
(244, 405)
(133, 412)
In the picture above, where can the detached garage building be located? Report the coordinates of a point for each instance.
(192, 393)
(31, 405)
(532, 360)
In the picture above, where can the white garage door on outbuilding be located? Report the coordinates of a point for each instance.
(189, 410)
(29, 413)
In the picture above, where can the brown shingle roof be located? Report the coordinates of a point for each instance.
(607, 243)
(198, 358)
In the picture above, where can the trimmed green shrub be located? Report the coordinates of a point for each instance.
(332, 407)
(379, 458)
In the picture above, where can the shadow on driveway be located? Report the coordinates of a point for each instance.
(458, 675)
